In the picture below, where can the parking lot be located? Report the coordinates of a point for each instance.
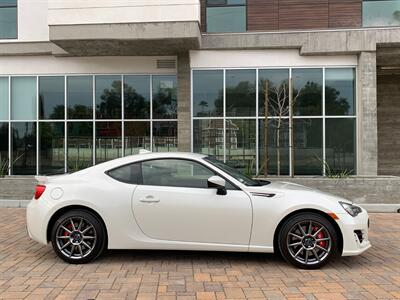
(32, 271)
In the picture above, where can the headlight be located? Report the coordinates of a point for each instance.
(352, 209)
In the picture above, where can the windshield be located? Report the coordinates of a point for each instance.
(233, 172)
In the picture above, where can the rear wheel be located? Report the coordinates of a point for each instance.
(308, 240)
(78, 237)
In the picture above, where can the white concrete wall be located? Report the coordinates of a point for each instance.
(264, 58)
(64, 12)
(32, 21)
(48, 65)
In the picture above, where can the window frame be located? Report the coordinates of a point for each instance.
(16, 23)
(206, 5)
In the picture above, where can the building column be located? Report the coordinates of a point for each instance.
(183, 93)
(367, 160)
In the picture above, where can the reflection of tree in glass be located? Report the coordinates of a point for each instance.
(308, 101)
(79, 111)
(334, 103)
(58, 112)
(136, 106)
(203, 104)
(164, 102)
(110, 105)
(240, 99)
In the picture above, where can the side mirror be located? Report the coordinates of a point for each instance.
(218, 183)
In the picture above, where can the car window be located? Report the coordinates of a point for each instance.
(128, 173)
(176, 173)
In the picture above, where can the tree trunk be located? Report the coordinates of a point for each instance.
(266, 89)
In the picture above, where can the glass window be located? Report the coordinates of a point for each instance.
(108, 97)
(131, 173)
(240, 93)
(340, 146)
(23, 98)
(275, 84)
(339, 92)
(8, 19)
(23, 155)
(164, 97)
(137, 97)
(51, 148)
(51, 97)
(208, 137)
(308, 159)
(241, 145)
(381, 13)
(226, 16)
(3, 148)
(3, 98)
(108, 141)
(208, 93)
(165, 136)
(307, 92)
(278, 147)
(137, 136)
(175, 173)
(80, 97)
(79, 145)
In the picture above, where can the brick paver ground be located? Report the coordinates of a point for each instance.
(32, 271)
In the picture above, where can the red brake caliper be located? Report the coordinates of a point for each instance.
(69, 226)
(320, 235)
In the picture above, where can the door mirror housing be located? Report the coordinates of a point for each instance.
(218, 183)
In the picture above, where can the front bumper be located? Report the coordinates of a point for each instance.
(355, 233)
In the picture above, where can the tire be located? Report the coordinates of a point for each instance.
(78, 237)
(308, 248)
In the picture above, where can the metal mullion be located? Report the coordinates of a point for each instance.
(191, 113)
(224, 113)
(93, 120)
(291, 168)
(257, 121)
(151, 113)
(9, 127)
(323, 125)
(37, 125)
(122, 116)
(65, 125)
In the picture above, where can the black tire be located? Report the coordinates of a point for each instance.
(78, 243)
(308, 254)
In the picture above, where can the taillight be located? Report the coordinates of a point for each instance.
(39, 190)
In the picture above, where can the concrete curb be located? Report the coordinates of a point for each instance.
(372, 208)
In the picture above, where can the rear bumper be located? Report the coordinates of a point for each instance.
(36, 220)
(355, 233)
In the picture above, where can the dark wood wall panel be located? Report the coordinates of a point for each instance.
(345, 13)
(303, 14)
(203, 15)
(262, 15)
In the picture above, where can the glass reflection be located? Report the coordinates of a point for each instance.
(4, 98)
(79, 145)
(208, 137)
(207, 93)
(381, 13)
(240, 93)
(137, 97)
(137, 136)
(51, 97)
(339, 92)
(51, 148)
(278, 147)
(165, 136)
(108, 141)
(226, 19)
(307, 92)
(341, 145)
(80, 97)
(23, 154)
(108, 97)
(23, 98)
(308, 157)
(8, 19)
(164, 97)
(4, 148)
(276, 82)
(241, 145)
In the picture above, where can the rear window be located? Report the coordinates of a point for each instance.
(128, 174)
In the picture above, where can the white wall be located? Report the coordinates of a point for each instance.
(63, 12)
(264, 58)
(37, 65)
(32, 21)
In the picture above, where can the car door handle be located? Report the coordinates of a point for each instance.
(149, 199)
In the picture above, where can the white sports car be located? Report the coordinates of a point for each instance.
(186, 201)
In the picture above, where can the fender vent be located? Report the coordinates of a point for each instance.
(166, 64)
(268, 195)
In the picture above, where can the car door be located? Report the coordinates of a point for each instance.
(174, 203)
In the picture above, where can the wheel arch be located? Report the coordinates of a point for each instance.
(65, 209)
(309, 210)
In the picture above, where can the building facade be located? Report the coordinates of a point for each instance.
(82, 82)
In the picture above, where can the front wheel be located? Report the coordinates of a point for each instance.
(308, 240)
(78, 237)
